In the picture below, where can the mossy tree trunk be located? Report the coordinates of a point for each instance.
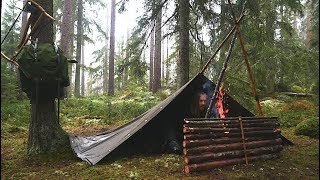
(45, 132)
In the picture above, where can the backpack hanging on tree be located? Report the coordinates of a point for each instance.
(43, 67)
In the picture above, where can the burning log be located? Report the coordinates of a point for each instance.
(223, 140)
(261, 133)
(232, 154)
(232, 146)
(230, 130)
(214, 164)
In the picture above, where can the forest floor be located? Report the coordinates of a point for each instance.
(300, 161)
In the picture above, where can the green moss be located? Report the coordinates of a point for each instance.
(309, 127)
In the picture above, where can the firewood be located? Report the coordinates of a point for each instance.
(261, 133)
(231, 154)
(232, 146)
(215, 164)
(222, 140)
(205, 130)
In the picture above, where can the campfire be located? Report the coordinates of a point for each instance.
(223, 111)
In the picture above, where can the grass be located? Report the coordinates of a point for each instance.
(295, 162)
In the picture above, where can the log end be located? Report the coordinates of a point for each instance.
(186, 160)
(185, 151)
(184, 144)
(186, 169)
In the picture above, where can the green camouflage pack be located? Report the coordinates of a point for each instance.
(41, 64)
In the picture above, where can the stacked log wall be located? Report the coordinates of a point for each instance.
(211, 143)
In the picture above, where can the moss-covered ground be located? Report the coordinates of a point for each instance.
(86, 116)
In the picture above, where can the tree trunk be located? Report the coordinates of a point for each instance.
(126, 68)
(105, 61)
(78, 53)
(112, 44)
(45, 132)
(223, 29)
(65, 41)
(309, 15)
(183, 60)
(20, 94)
(167, 64)
(82, 70)
(151, 57)
(157, 54)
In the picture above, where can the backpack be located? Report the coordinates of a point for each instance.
(44, 68)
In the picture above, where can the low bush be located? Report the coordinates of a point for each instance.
(291, 114)
(309, 127)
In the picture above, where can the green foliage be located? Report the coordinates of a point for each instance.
(292, 113)
(298, 89)
(308, 127)
(16, 113)
(127, 104)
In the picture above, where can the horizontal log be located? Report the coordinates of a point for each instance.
(230, 118)
(232, 154)
(215, 164)
(232, 146)
(222, 140)
(233, 125)
(236, 121)
(263, 133)
(208, 130)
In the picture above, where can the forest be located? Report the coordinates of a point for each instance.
(132, 55)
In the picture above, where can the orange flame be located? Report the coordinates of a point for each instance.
(219, 103)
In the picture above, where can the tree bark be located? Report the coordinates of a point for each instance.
(20, 94)
(45, 132)
(106, 57)
(78, 53)
(65, 41)
(82, 70)
(157, 54)
(183, 60)
(112, 46)
(151, 57)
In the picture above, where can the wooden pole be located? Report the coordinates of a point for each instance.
(243, 140)
(244, 52)
(222, 43)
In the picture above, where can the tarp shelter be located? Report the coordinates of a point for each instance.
(147, 132)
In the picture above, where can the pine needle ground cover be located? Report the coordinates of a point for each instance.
(91, 115)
